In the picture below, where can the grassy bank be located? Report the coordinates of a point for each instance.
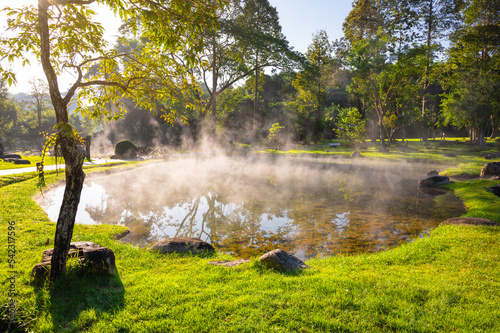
(446, 282)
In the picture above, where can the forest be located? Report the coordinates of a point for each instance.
(403, 69)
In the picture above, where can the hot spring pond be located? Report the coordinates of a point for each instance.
(245, 206)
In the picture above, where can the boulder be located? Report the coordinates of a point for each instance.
(281, 260)
(122, 234)
(355, 154)
(434, 181)
(182, 245)
(21, 161)
(432, 173)
(491, 169)
(450, 155)
(494, 189)
(92, 257)
(470, 221)
(4, 156)
(228, 263)
(99, 260)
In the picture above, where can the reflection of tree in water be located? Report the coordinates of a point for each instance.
(314, 214)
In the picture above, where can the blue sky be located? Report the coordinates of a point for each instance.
(300, 19)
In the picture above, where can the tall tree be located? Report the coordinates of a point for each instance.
(39, 95)
(249, 40)
(62, 35)
(267, 45)
(312, 80)
(472, 75)
(437, 19)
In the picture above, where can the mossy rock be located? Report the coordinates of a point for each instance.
(126, 149)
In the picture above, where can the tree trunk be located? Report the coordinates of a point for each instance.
(255, 100)
(214, 92)
(381, 132)
(493, 128)
(427, 64)
(73, 156)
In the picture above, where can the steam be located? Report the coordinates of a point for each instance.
(249, 204)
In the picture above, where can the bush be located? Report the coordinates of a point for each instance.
(125, 149)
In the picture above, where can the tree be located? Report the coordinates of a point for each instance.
(66, 38)
(40, 100)
(312, 80)
(249, 39)
(350, 124)
(472, 72)
(8, 117)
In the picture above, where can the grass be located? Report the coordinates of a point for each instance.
(446, 282)
(49, 160)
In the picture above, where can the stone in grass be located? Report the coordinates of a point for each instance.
(182, 245)
(282, 261)
(490, 170)
(122, 234)
(470, 221)
(229, 263)
(450, 155)
(434, 181)
(92, 257)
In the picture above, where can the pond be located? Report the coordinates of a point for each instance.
(246, 206)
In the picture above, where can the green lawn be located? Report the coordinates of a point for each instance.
(49, 160)
(446, 282)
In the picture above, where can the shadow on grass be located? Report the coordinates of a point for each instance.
(78, 299)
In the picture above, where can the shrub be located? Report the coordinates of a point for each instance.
(125, 149)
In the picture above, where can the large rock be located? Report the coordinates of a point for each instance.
(92, 257)
(182, 245)
(491, 169)
(470, 221)
(282, 261)
(4, 156)
(494, 189)
(434, 181)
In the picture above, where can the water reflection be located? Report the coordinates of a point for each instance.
(246, 207)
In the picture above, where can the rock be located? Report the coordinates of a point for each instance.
(182, 245)
(494, 189)
(122, 234)
(432, 173)
(491, 169)
(92, 257)
(282, 261)
(4, 156)
(21, 161)
(99, 260)
(40, 272)
(469, 221)
(229, 263)
(434, 181)
(355, 154)
(450, 155)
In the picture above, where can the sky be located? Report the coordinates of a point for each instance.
(300, 19)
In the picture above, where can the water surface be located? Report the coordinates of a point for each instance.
(246, 206)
